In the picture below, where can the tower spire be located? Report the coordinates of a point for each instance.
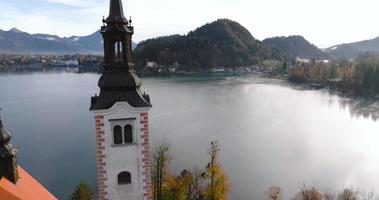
(8, 164)
(116, 13)
(5, 136)
(119, 82)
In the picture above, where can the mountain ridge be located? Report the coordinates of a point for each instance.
(15, 41)
(296, 45)
(354, 49)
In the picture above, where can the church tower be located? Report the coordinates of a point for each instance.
(121, 116)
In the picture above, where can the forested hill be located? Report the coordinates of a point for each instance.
(223, 43)
(296, 46)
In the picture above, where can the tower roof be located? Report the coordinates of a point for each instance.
(119, 87)
(116, 13)
(119, 82)
(5, 135)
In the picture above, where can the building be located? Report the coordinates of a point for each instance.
(121, 116)
(64, 63)
(152, 65)
(302, 60)
(15, 182)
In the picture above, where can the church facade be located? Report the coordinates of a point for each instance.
(121, 116)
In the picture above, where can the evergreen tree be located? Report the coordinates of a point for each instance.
(82, 192)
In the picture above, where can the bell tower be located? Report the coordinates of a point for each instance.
(121, 116)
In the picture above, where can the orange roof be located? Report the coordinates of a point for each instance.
(26, 188)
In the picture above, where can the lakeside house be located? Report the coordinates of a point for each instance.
(302, 60)
(218, 70)
(306, 60)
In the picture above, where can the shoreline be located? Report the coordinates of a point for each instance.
(308, 85)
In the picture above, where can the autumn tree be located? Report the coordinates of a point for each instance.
(175, 187)
(82, 192)
(308, 193)
(329, 195)
(208, 184)
(274, 193)
(197, 175)
(160, 163)
(370, 195)
(217, 188)
(188, 184)
(348, 194)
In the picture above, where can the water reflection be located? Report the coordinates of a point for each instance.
(362, 107)
(359, 106)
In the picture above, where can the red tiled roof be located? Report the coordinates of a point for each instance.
(26, 188)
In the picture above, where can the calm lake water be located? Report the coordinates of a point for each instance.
(271, 133)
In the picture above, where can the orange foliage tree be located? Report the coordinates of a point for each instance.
(218, 186)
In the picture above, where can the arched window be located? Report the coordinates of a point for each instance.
(117, 135)
(124, 178)
(118, 47)
(128, 134)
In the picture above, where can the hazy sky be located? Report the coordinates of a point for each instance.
(322, 22)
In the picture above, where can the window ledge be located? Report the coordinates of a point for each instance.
(123, 145)
(124, 184)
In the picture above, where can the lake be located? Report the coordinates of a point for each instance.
(270, 132)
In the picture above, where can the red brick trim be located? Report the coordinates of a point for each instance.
(100, 155)
(145, 152)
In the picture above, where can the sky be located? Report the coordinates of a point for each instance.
(323, 22)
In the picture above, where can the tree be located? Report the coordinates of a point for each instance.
(217, 188)
(197, 183)
(348, 194)
(82, 192)
(188, 184)
(284, 66)
(160, 162)
(370, 195)
(274, 193)
(175, 185)
(329, 195)
(308, 193)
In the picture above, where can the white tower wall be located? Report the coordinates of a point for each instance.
(113, 159)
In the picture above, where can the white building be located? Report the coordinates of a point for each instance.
(152, 65)
(302, 60)
(65, 63)
(121, 117)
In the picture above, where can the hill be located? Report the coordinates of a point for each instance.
(353, 50)
(223, 43)
(15, 41)
(296, 46)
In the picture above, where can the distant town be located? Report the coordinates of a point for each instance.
(92, 63)
(39, 63)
